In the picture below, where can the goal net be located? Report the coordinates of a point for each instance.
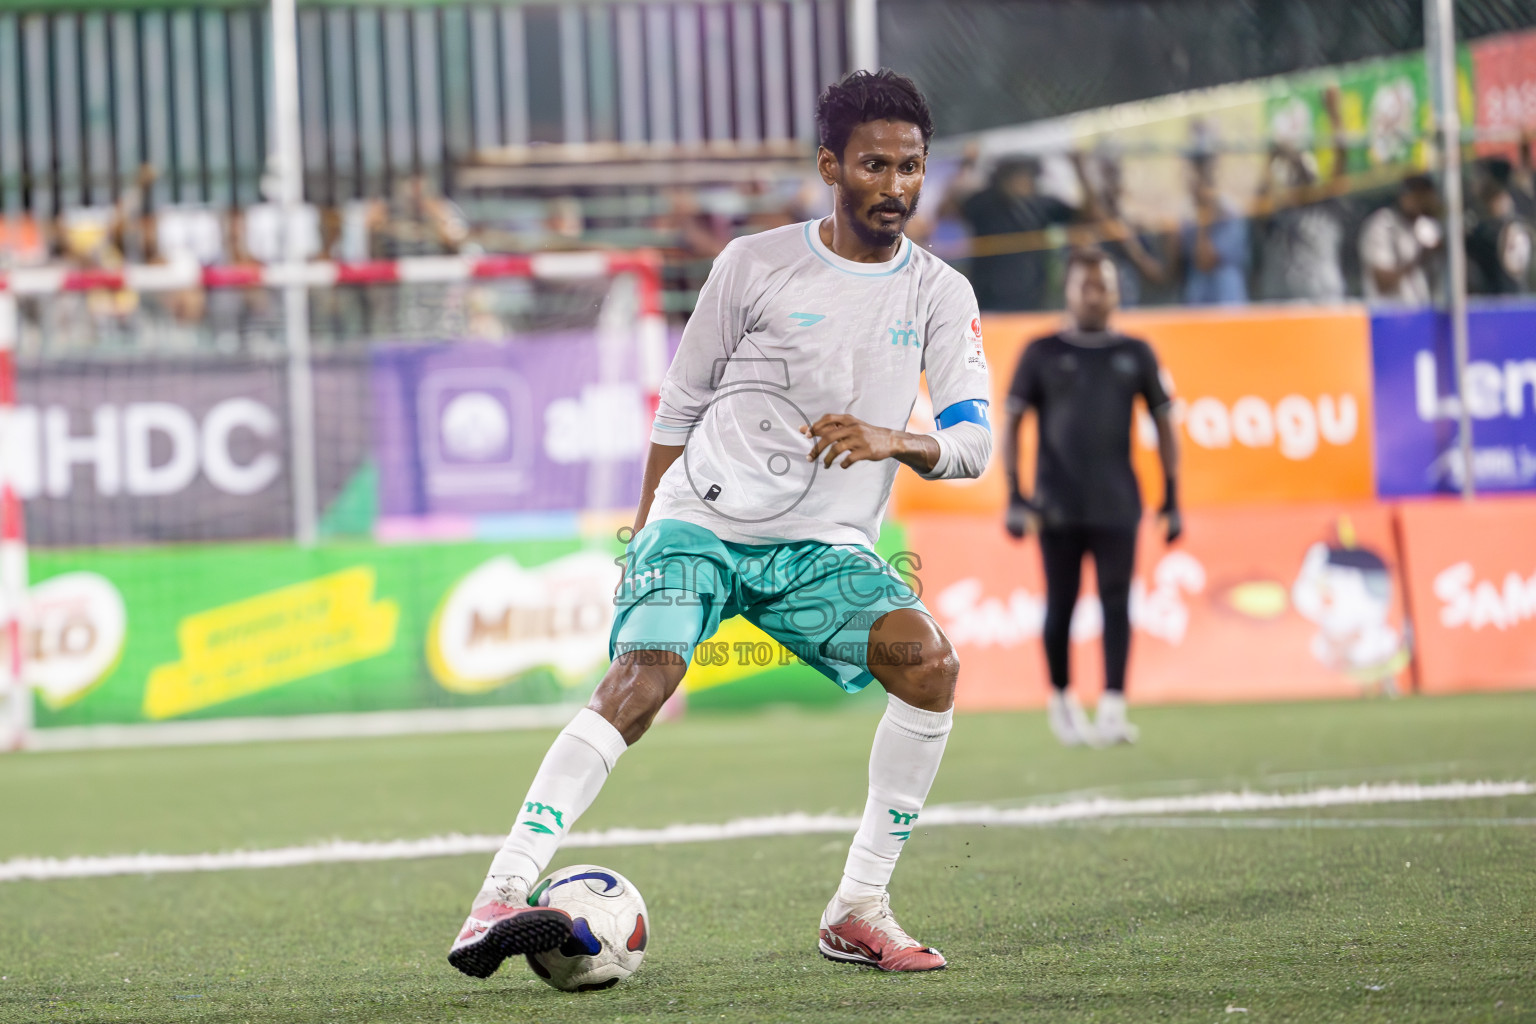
(218, 522)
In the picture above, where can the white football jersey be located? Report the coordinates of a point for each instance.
(785, 332)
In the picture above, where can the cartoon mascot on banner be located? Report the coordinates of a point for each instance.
(1346, 591)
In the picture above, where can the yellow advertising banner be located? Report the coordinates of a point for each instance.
(271, 639)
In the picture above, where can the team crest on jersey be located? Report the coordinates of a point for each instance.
(903, 334)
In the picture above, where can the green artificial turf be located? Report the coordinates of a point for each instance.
(1405, 912)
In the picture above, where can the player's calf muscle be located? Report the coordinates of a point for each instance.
(634, 688)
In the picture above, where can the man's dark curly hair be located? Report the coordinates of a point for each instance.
(869, 96)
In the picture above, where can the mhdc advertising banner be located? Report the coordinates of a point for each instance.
(183, 449)
(1418, 441)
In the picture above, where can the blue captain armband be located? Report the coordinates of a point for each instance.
(972, 410)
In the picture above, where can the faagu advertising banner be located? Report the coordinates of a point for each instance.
(1271, 405)
(1418, 410)
(171, 634)
(1471, 570)
(541, 423)
(1314, 611)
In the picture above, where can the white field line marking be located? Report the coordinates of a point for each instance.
(1294, 824)
(1099, 808)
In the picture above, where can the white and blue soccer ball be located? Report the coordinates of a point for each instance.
(610, 928)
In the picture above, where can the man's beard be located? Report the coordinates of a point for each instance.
(871, 236)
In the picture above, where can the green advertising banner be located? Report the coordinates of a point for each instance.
(225, 631)
(1385, 103)
(164, 634)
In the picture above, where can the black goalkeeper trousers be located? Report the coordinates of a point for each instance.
(1114, 560)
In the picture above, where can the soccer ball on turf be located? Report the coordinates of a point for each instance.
(609, 934)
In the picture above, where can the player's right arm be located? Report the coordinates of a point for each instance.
(713, 331)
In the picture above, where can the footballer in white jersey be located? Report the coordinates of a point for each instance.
(781, 426)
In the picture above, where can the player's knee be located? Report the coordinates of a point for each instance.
(930, 676)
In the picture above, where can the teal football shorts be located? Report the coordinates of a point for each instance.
(818, 600)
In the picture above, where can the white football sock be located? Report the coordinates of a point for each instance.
(568, 781)
(909, 743)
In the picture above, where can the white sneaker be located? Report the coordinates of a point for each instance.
(1069, 721)
(1110, 724)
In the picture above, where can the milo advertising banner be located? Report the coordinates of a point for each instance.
(120, 637)
(196, 633)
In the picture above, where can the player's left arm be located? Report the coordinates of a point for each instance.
(956, 368)
(1160, 404)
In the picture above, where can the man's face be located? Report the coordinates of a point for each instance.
(1093, 293)
(878, 179)
(1421, 203)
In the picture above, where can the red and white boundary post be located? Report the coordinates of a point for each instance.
(17, 703)
(643, 264)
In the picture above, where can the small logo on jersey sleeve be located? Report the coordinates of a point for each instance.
(975, 356)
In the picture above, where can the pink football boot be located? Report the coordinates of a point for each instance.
(869, 936)
(496, 930)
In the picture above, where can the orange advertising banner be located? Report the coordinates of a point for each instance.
(1272, 405)
(1471, 570)
(1266, 603)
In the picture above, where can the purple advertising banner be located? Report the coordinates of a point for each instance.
(537, 424)
(174, 449)
(1418, 447)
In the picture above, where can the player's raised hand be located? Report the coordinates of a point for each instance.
(839, 434)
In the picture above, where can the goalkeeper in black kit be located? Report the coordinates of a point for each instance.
(1082, 384)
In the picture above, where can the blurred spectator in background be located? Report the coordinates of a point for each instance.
(1500, 241)
(697, 232)
(419, 222)
(194, 235)
(1009, 272)
(1213, 243)
(1398, 242)
(134, 229)
(1522, 180)
(85, 235)
(564, 224)
(262, 236)
(1135, 252)
(1301, 221)
(22, 243)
